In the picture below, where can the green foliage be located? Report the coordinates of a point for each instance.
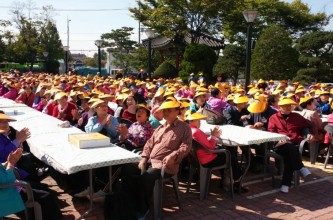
(316, 51)
(198, 58)
(274, 57)
(119, 39)
(294, 17)
(178, 17)
(50, 42)
(231, 63)
(166, 70)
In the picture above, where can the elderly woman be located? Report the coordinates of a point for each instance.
(27, 96)
(63, 111)
(130, 108)
(215, 101)
(103, 122)
(309, 112)
(6, 145)
(208, 159)
(199, 100)
(139, 132)
(11, 195)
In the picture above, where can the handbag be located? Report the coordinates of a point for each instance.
(213, 117)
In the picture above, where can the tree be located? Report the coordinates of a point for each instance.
(294, 17)
(231, 63)
(274, 57)
(316, 51)
(198, 58)
(50, 42)
(166, 70)
(93, 61)
(121, 46)
(177, 17)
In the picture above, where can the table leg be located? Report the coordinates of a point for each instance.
(241, 179)
(91, 187)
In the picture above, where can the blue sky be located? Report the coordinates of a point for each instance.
(86, 26)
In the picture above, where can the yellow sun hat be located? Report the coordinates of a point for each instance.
(59, 95)
(304, 99)
(6, 117)
(97, 102)
(169, 103)
(198, 94)
(230, 97)
(286, 101)
(103, 96)
(143, 106)
(261, 81)
(124, 90)
(241, 99)
(257, 106)
(195, 116)
(159, 92)
(168, 93)
(299, 90)
(184, 104)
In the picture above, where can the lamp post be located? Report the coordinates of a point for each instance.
(66, 49)
(98, 43)
(249, 15)
(45, 54)
(150, 34)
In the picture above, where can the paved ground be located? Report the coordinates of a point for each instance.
(312, 200)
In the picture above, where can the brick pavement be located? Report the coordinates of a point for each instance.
(313, 200)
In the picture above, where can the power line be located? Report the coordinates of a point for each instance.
(74, 10)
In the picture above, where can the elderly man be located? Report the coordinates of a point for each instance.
(169, 144)
(291, 124)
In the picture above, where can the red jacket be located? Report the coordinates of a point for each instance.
(292, 126)
(201, 138)
(28, 100)
(67, 113)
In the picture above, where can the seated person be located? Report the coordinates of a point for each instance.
(11, 195)
(199, 102)
(309, 112)
(49, 208)
(324, 103)
(7, 146)
(260, 113)
(236, 114)
(63, 111)
(27, 96)
(208, 159)
(139, 132)
(170, 143)
(215, 101)
(155, 117)
(102, 122)
(130, 108)
(291, 124)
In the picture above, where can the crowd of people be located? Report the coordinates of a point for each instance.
(160, 117)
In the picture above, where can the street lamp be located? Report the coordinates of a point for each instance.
(98, 43)
(66, 49)
(150, 34)
(249, 15)
(45, 54)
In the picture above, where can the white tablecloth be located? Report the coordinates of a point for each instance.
(236, 135)
(49, 143)
(5, 103)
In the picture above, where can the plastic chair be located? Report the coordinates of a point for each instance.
(329, 130)
(30, 203)
(206, 173)
(158, 192)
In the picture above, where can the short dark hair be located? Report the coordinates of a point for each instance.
(215, 92)
(305, 104)
(147, 111)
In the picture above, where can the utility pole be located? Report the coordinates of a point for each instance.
(68, 20)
